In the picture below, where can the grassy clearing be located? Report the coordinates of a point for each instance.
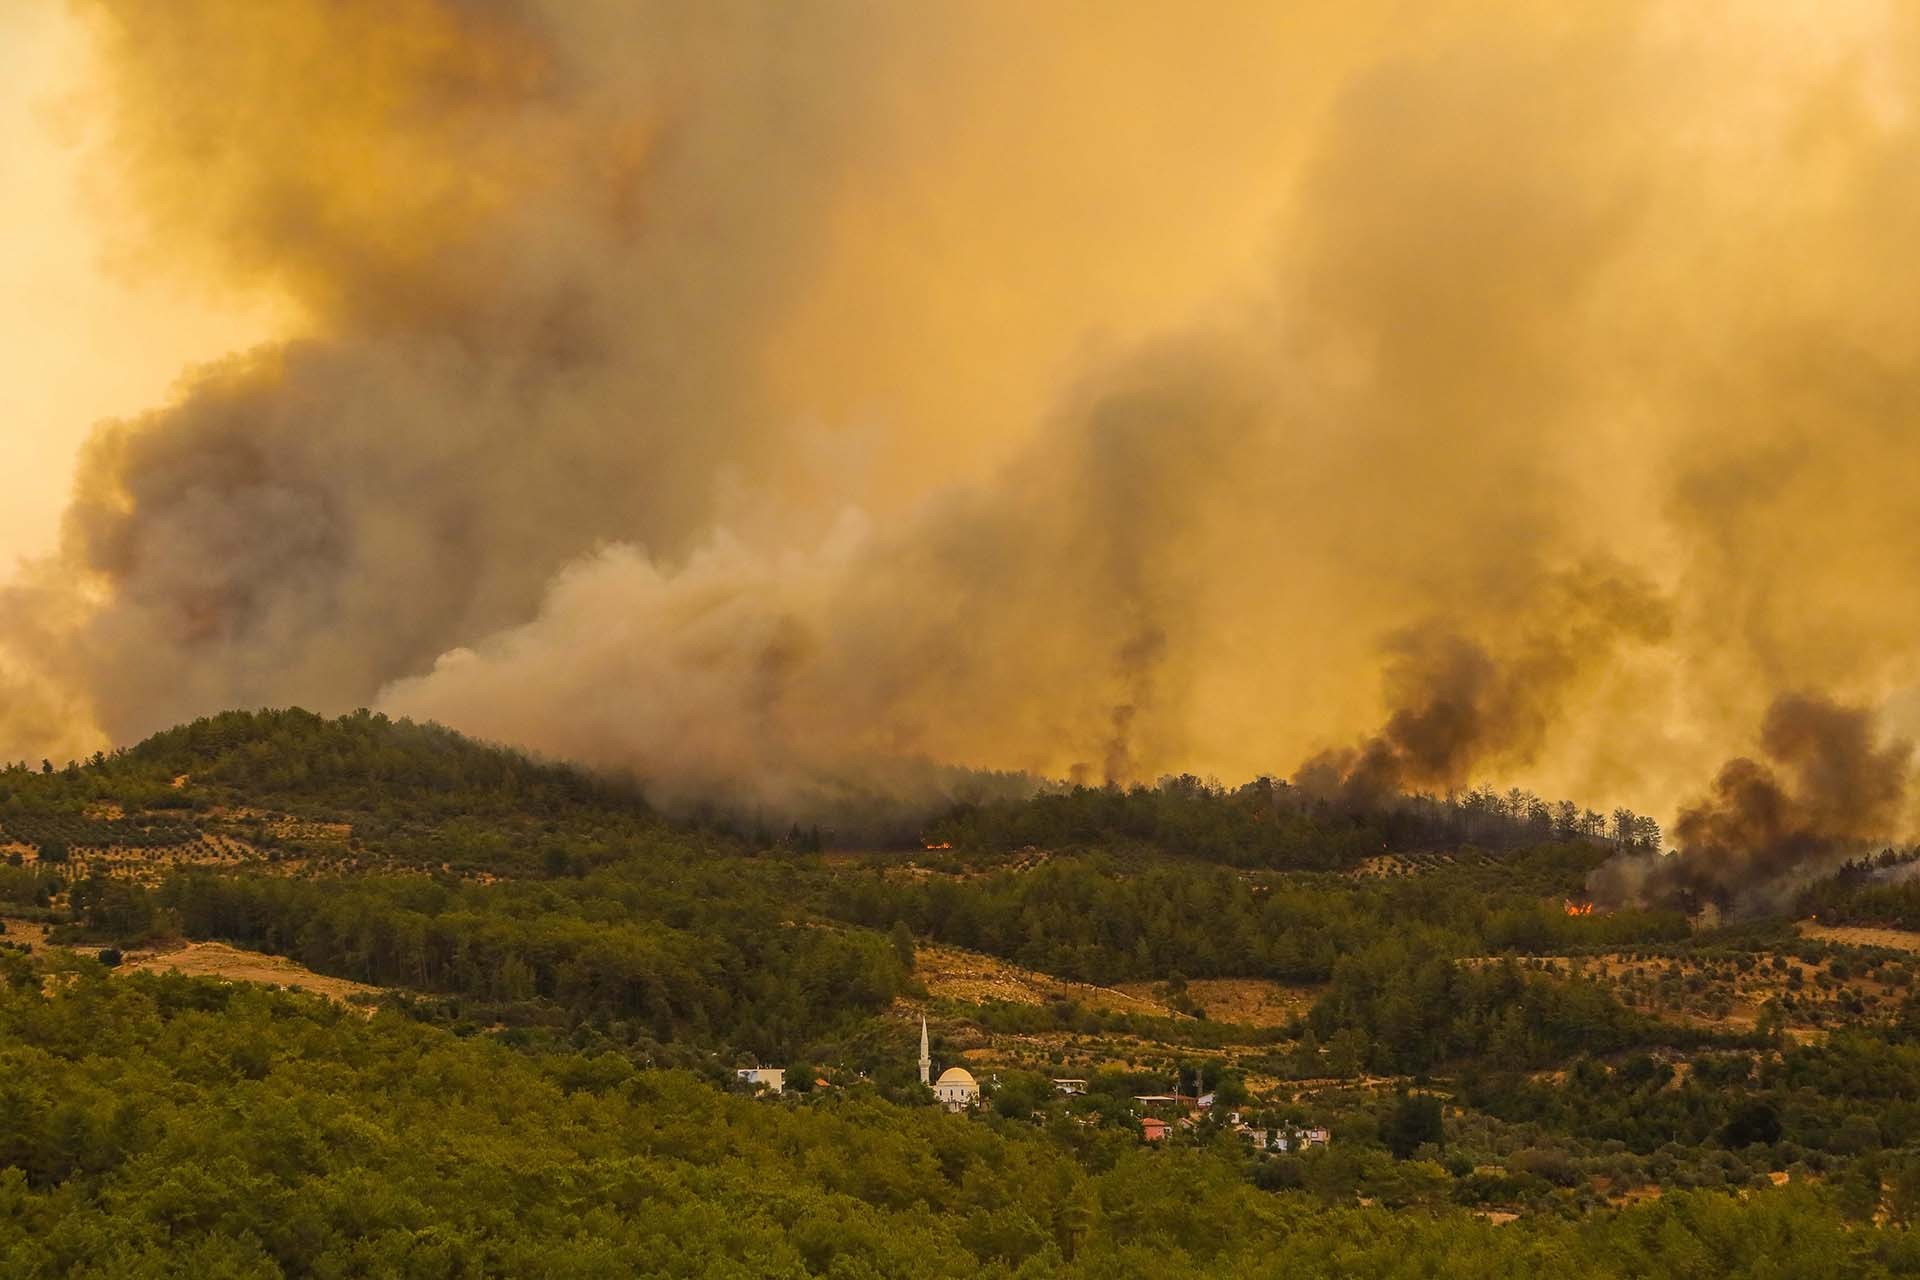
(952, 973)
(218, 960)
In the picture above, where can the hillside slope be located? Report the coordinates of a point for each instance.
(1469, 1044)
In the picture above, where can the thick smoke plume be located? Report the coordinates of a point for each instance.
(1829, 788)
(1456, 706)
(782, 400)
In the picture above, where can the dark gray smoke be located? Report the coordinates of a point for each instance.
(1828, 789)
(1456, 705)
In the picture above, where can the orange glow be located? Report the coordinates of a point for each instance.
(1579, 908)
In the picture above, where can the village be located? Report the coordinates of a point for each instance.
(1156, 1116)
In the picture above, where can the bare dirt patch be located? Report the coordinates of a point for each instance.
(218, 960)
(31, 932)
(1383, 865)
(1856, 936)
(1058, 1053)
(953, 974)
(1386, 865)
(1246, 1002)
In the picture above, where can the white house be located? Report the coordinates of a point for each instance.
(1072, 1088)
(1301, 1139)
(772, 1079)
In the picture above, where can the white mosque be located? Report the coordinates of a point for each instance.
(956, 1089)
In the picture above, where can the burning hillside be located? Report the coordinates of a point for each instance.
(644, 404)
(1830, 786)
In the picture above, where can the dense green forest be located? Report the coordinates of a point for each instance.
(687, 951)
(543, 1082)
(153, 1126)
(1268, 823)
(1095, 917)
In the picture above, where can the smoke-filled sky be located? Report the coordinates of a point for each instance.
(81, 337)
(754, 395)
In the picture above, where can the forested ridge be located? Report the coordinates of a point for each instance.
(544, 1084)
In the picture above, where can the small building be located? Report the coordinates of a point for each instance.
(1284, 1139)
(956, 1089)
(1154, 1129)
(770, 1079)
(1151, 1100)
(1072, 1088)
(1300, 1139)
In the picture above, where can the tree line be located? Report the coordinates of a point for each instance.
(1268, 823)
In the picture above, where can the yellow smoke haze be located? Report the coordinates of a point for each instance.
(759, 396)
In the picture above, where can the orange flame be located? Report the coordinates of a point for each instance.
(1579, 908)
(944, 844)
